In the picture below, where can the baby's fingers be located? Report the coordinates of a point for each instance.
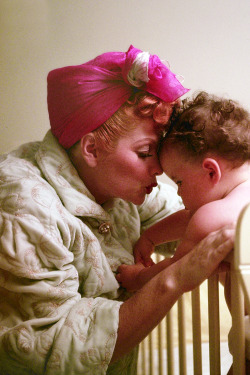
(149, 262)
(146, 260)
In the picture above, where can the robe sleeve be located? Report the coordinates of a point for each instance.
(46, 325)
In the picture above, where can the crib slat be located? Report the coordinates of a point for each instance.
(196, 318)
(170, 343)
(151, 354)
(240, 273)
(143, 357)
(214, 325)
(160, 347)
(182, 337)
(237, 310)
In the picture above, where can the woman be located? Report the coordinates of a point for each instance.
(72, 208)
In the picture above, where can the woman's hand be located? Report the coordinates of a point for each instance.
(206, 258)
(140, 314)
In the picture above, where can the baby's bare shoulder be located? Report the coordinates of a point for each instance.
(211, 217)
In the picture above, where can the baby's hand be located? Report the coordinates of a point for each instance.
(143, 250)
(127, 276)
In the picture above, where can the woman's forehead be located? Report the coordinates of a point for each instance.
(145, 129)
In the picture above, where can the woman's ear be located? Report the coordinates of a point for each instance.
(88, 149)
(213, 170)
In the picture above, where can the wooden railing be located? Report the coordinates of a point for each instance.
(161, 353)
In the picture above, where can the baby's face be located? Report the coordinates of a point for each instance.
(188, 175)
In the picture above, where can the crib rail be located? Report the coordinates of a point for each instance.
(160, 354)
(240, 288)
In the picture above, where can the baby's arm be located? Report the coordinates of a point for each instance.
(203, 221)
(169, 229)
(133, 277)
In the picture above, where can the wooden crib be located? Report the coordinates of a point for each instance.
(169, 349)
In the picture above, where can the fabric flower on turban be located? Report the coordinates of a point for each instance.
(82, 97)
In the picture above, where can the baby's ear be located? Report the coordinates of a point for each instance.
(213, 170)
(88, 149)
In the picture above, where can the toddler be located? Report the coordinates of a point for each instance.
(206, 153)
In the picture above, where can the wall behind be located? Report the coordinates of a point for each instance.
(205, 41)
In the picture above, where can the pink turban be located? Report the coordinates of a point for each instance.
(82, 97)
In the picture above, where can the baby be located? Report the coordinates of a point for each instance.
(206, 153)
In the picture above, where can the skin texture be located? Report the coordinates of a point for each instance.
(149, 305)
(129, 172)
(214, 194)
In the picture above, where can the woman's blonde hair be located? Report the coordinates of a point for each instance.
(142, 105)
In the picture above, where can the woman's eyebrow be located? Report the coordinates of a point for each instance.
(144, 141)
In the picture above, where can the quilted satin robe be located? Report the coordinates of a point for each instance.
(59, 299)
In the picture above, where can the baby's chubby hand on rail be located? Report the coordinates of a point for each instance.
(127, 276)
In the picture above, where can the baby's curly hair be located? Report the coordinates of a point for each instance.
(208, 123)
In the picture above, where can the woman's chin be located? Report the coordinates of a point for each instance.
(138, 200)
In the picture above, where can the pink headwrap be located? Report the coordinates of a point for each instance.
(82, 97)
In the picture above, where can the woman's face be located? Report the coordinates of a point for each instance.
(130, 171)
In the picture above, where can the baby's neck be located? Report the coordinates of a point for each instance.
(236, 177)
